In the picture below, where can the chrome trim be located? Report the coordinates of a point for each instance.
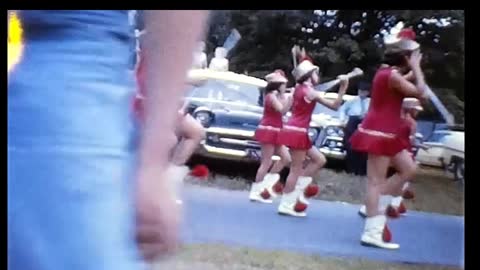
(230, 131)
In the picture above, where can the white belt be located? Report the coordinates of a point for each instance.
(268, 128)
(377, 133)
(299, 129)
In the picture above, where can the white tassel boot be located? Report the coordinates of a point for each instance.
(373, 234)
(290, 205)
(259, 193)
(176, 175)
(270, 180)
(302, 184)
(383, 202)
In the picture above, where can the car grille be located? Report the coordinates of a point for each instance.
(235, 142)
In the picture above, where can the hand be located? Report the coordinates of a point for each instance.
(158, 215)
(415, 60)
(343, 84)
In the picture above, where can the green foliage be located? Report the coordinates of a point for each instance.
(340, 40)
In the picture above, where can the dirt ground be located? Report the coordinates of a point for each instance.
(435, 190)
(221, 257)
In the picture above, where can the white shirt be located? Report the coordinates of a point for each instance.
(219, 64)
(199, 60)
(354, 107)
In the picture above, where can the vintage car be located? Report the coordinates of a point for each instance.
(330, 140)
(229, 106)
(446, 150)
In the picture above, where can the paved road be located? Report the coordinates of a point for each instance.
(330, 229)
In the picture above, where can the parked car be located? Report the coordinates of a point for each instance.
(330, 140)
(446, 150)
(226, 104)
(229, 106)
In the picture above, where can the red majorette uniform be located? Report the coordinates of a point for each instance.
(294, 133)
(379, 134)
(267, 133)
(271, 123)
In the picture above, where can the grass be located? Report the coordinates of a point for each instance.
(434, 189)
(222, 257)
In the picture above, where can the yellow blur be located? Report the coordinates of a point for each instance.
(14, 43)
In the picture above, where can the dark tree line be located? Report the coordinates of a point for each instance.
(340, 40)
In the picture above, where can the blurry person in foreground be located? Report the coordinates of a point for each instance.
(80, 195)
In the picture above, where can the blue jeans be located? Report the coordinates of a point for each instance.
(70, 146)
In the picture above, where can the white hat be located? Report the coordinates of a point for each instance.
(303, 69)
(412, 103)
(403, 41)
(276, 77)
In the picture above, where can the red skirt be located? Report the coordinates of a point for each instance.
(297, 140)
(376, 142)
(267, 135)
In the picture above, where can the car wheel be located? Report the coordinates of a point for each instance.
(459, 170)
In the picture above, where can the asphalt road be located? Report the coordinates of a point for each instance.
(330, 229)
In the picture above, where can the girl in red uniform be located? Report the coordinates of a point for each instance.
(408, 128)
(294, 135)
(410, 109)
(276, 103)
(378, 135)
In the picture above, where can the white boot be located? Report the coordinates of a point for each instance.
(288, 204)
(396, 201)
(373, 233)
(176, 175)
(256, 193)
(383, 202)
(302, 184)
(270, 180)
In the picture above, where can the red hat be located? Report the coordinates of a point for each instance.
(403, 41)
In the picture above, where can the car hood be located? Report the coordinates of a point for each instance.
(231, 114)
(324, 120)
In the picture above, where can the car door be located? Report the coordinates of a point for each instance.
(432, 156)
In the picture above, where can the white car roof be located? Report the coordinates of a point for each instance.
(205, 74)
(333, 95)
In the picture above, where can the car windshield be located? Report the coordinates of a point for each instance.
(226, 91)
(438, 137)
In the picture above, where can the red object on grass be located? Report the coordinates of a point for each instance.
(386, 235)
(311, 190)
(200, 171)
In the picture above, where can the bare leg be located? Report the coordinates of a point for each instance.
(376, 171)
(406, 169)
(192, 133)
(285, 159)
(296, 169)
(266, 163)
(317, 161)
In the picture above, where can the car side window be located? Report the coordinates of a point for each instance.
(438, 137)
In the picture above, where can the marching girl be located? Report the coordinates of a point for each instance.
(408, 128)
(276, 103)
(378, 135)
(294, 135)
(410, 109)
(187, 134)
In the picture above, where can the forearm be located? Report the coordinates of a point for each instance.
(419, 81)
(167, 59)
